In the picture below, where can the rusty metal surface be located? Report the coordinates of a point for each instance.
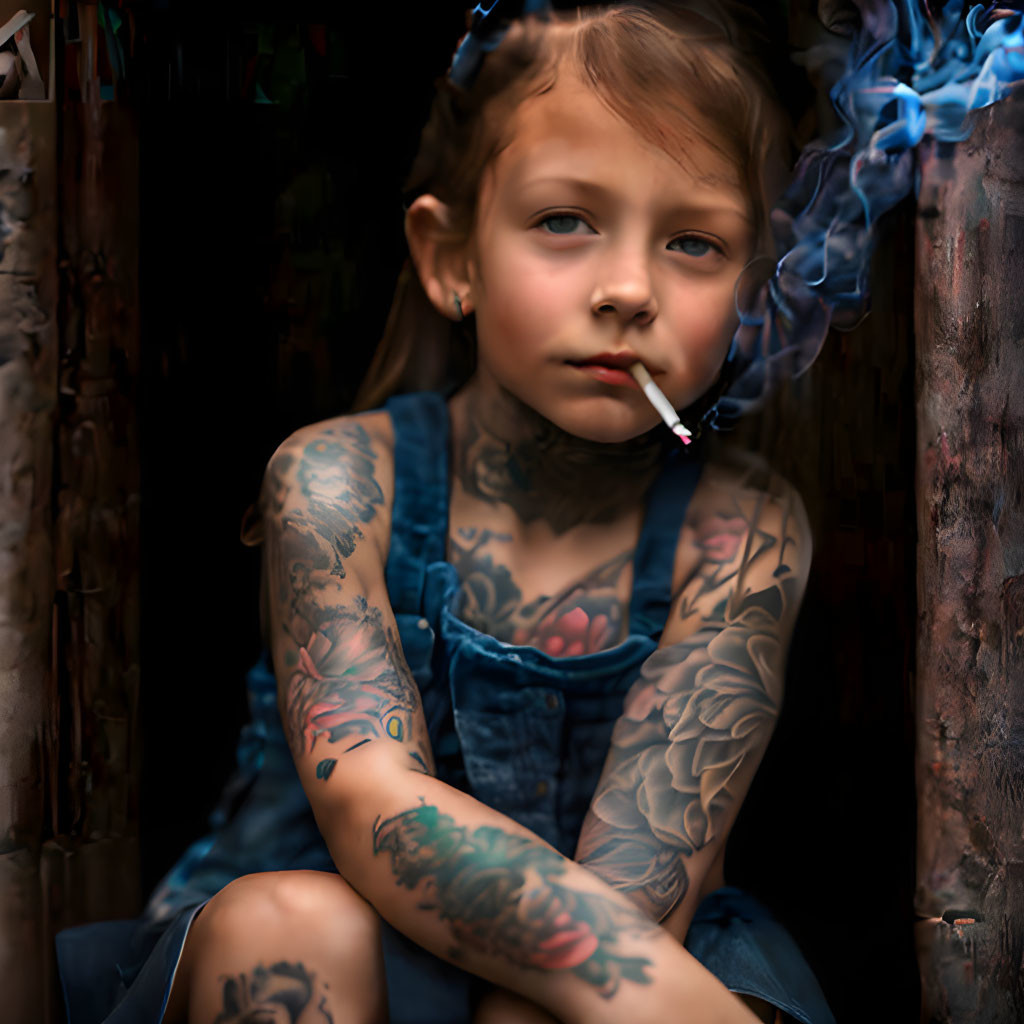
(969, 313)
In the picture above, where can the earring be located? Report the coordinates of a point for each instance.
(458, 306)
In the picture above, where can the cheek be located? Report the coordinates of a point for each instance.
(521, 299)
(709, 321)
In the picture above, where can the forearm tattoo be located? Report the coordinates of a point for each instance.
(279, 994)
(700, 709)
(503, 894)
(349, 683)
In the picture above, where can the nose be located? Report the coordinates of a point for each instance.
(625, 289)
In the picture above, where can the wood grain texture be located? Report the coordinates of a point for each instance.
(28, 394)
(969, 312)
(69, 524)
(96, 519)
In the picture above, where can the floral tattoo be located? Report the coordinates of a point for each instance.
(349, 683)
(584, 618)
(502, 894)
(703, 707)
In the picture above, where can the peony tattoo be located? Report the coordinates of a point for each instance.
(703, 708)
(348, 681)
(585, 618)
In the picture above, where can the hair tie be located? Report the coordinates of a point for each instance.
(487, 28)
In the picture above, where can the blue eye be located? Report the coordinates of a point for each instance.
(691, 245)
(562, 223)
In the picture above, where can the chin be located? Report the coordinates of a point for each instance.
(600, 426)
(603, 433)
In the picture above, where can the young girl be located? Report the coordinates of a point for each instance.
(526, 650)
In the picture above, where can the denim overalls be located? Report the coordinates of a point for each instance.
(524, 732)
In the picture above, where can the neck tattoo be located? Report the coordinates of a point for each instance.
(545, 474)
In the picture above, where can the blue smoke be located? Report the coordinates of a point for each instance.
(912, 70)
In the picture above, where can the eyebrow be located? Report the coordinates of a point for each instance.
(600, 192)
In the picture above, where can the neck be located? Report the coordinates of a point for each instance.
(505, 453)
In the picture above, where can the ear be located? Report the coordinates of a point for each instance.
(439, 255)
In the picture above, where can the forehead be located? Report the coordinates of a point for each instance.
(569, 131)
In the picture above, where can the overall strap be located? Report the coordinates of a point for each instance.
(419, 517)
(654, 560)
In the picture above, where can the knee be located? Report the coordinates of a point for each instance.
(293, 927)
(320, 908)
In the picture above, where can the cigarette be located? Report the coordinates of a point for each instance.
(661, 404)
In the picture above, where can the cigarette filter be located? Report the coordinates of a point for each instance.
(661, 404)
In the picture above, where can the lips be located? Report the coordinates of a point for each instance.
(614, 360)
(611, 368)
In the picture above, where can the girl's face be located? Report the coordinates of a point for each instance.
(594, 249)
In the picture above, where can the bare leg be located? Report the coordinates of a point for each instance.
(299, 947)
(502, 1007)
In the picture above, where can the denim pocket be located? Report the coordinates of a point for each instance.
(513, 754)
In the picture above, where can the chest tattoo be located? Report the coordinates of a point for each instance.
(582, 617)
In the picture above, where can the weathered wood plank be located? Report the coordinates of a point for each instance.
(69, 525)
(96, 519)
(969, 311)
(28, 392)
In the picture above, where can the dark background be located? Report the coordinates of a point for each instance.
(270, 239)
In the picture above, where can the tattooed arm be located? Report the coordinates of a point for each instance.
(455, 876)
(698, 720)
(343, 681)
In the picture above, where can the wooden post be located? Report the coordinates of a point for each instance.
(69, 524)
(90, 865)
(28, 393)
(969, 314)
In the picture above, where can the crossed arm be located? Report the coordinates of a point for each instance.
(696, 723)
(698, 720)
(458, 878)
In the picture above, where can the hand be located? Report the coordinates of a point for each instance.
(500, 1006)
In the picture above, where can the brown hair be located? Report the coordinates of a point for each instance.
(673, 72)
